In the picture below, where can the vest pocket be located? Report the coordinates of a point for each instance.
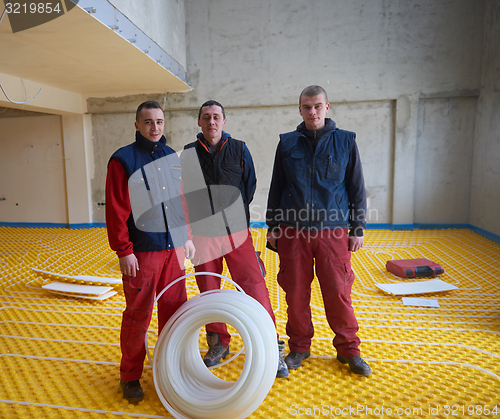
(333, 170)
(294, 163)
(176, 171)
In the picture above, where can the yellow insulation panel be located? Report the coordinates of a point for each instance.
(59, 356)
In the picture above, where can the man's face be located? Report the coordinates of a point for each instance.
(211, 122)
(150, 124)
(313, 110)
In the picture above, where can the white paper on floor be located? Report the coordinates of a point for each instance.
(421, 287)
(420, 302)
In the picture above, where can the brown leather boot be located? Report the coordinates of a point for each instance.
(216, 350)
(132, 391)
(356, 364)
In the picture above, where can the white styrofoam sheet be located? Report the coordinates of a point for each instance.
(101, 279)
(87, 297)
(85, 278)
(76, 289)
(421, 287)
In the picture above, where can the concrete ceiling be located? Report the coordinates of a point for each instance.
(77, 53)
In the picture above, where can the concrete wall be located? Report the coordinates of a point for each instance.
(485, 190)
(162, 20)
(367, 55)
(79, 165)
(391, 69)
(444, 160)
(105, 143)
(265, 51)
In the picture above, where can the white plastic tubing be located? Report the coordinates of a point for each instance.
(185, 386)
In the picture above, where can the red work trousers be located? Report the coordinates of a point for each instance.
(298, 251)
(243, 266)
(156, 271)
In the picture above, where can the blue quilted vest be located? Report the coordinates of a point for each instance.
(154, 180)
(315, 195)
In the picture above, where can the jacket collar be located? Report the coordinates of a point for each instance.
(329, 126)
(206, 145)
(148, 145)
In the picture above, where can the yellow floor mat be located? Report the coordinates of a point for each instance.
(59, 356)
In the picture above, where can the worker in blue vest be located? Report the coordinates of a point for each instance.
(316, 216)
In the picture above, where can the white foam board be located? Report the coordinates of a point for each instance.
(88, 297)
(421, 287)
(85, 278)
(100, 279)
(76, 289)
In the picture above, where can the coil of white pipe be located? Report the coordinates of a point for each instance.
(185, 386)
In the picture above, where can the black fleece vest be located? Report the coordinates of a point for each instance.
(223, 174)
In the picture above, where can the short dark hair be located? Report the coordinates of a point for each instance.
(313, 90)
(149, 104)
(211, 103)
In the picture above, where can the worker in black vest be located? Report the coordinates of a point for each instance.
(219, 184)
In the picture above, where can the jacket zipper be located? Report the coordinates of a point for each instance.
(312, 181)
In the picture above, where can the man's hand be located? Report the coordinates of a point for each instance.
(189, 249)
(272, 238)
(129, 265)
(355, 243)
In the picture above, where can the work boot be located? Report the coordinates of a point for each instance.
(282, 367)
(132, 391)
(216, 350)
(356, 364)
(294, 359)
